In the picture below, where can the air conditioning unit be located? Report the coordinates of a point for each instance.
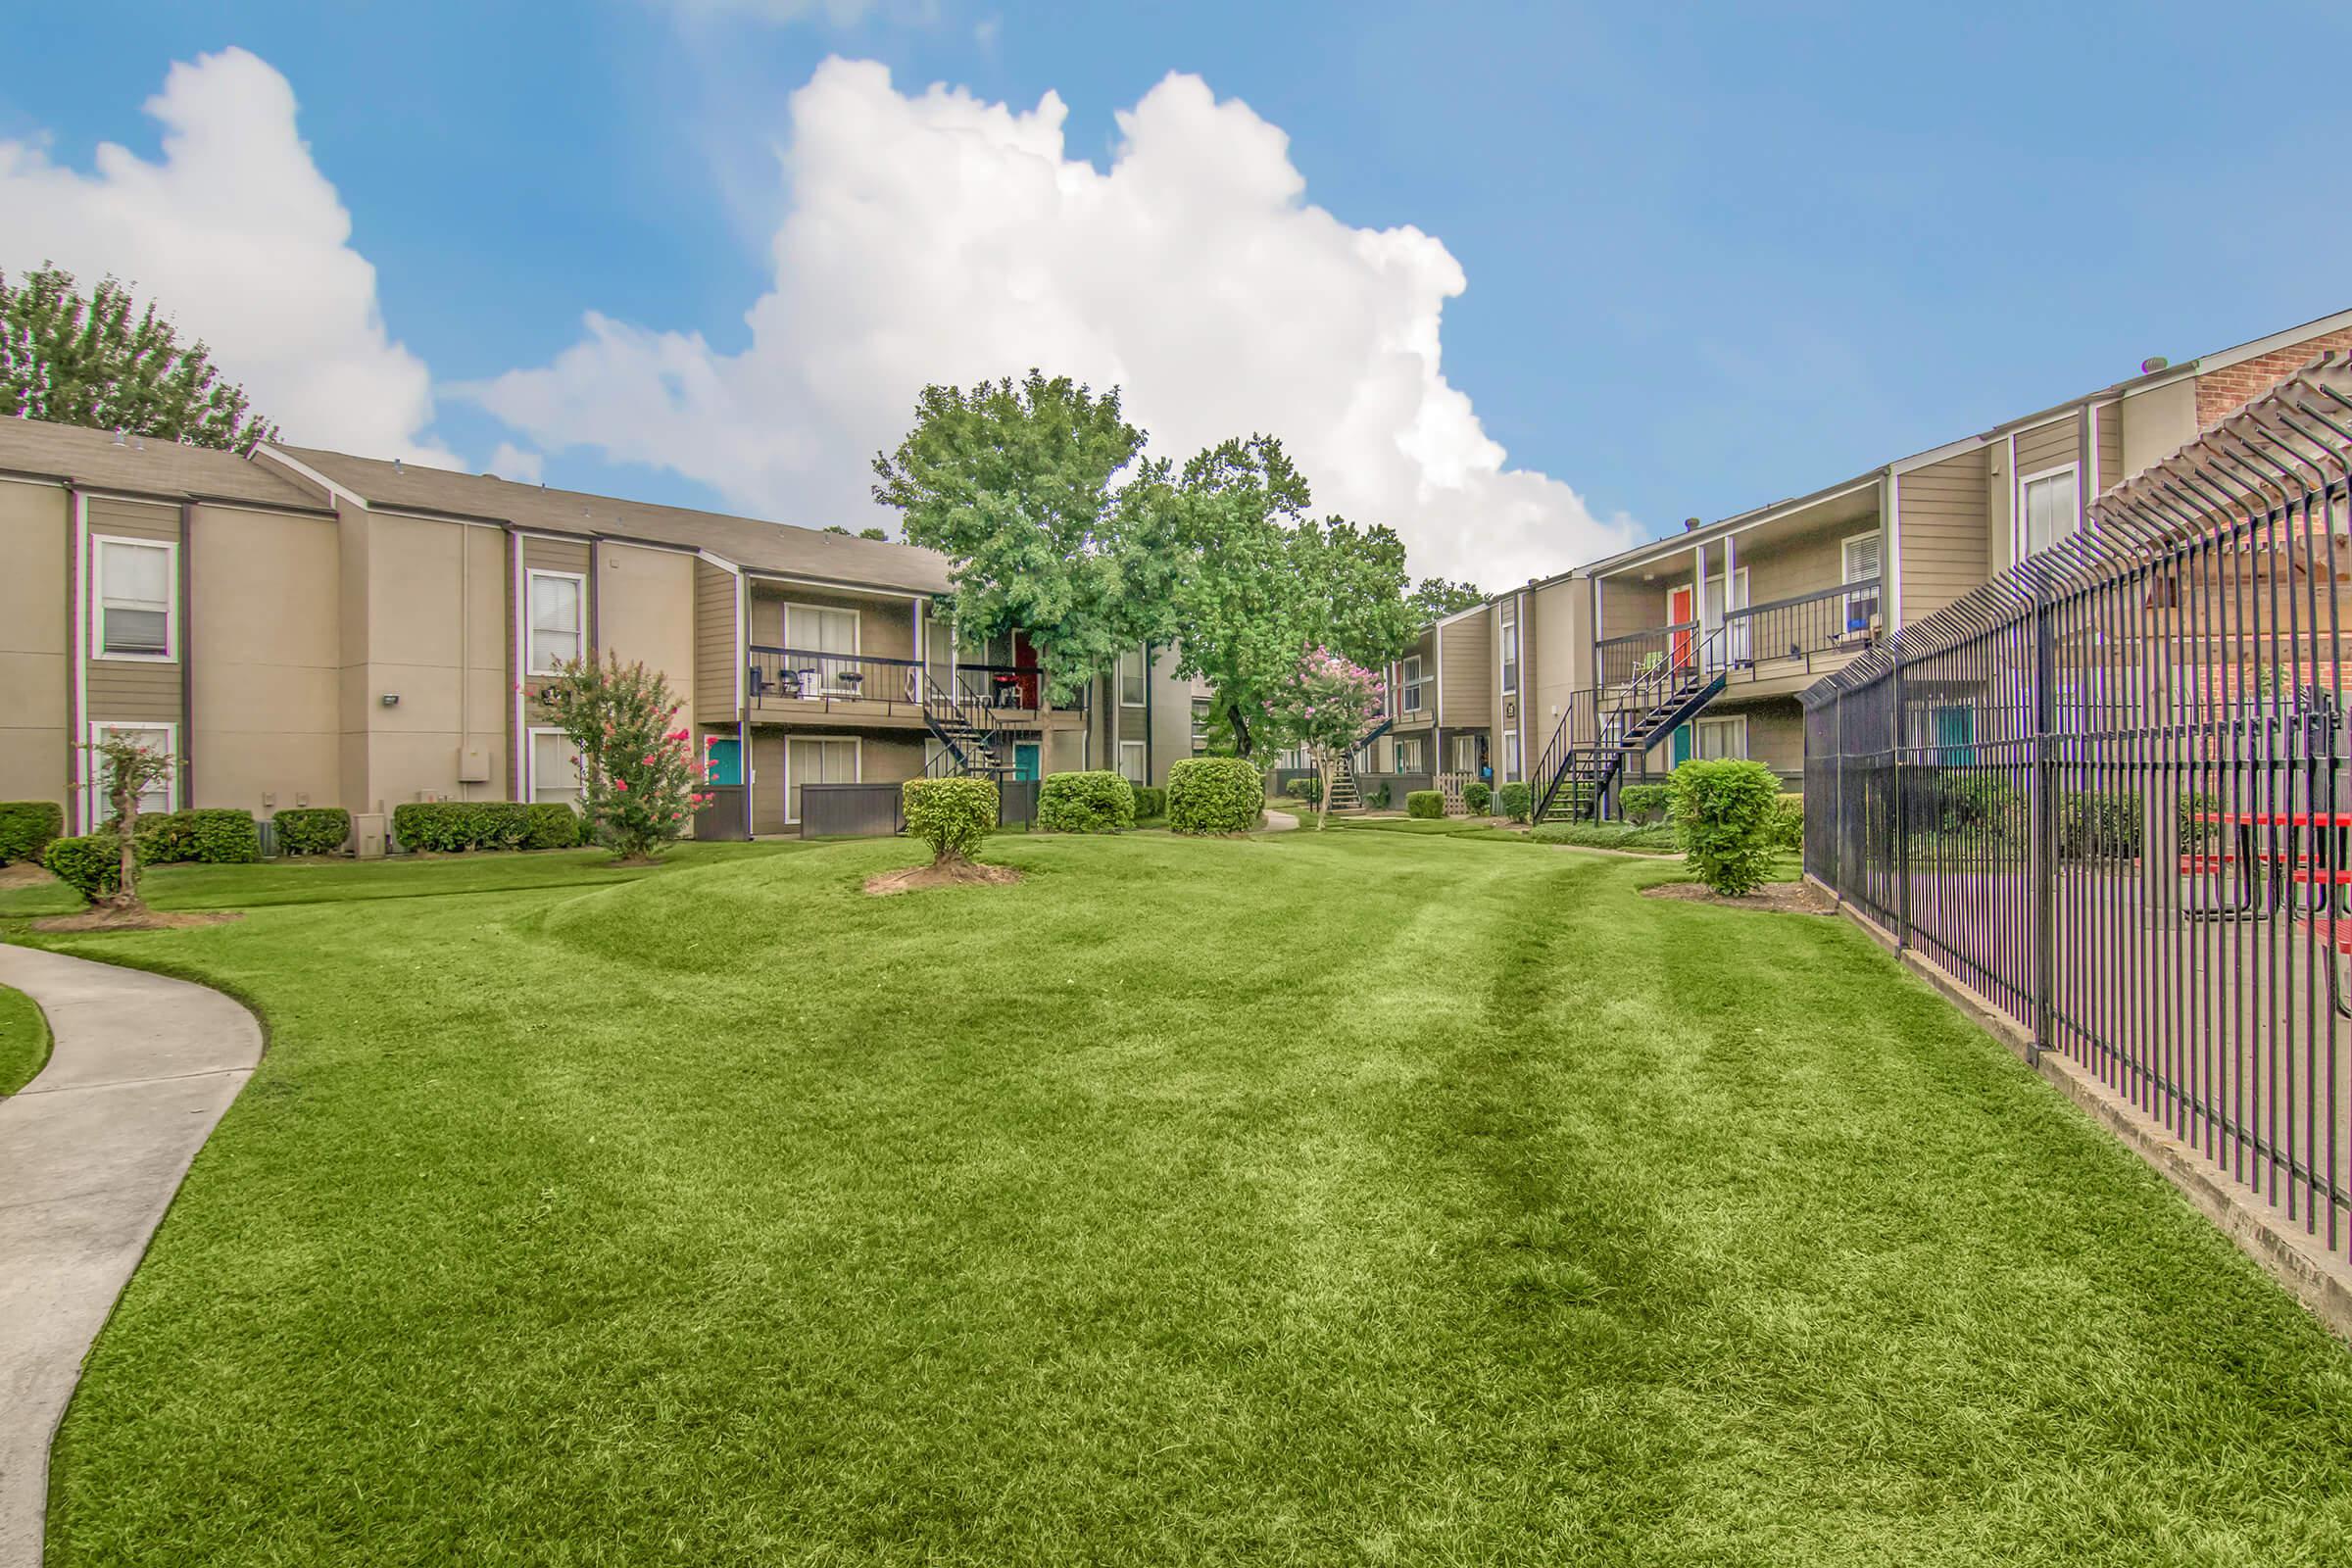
(368, 835)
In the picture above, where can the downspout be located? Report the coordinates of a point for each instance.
(186, 795)
(516, 665)
(79, 683)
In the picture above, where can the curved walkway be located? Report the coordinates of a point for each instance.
(91, 1151)
(1280, 822)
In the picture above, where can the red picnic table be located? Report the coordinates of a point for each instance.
(2269, 844)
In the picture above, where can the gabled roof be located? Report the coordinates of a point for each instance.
(165, 471)
(780, 548)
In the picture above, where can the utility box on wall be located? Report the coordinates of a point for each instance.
(368, 835)
(473, 765)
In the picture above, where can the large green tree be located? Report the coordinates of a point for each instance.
(1436, 599)
(1014, 482)
(108, 362)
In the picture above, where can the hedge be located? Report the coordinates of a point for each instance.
(448, 826)
(551, 825)
(1516, 801)
(92, 865)
(214, 836)
(1150, 801)
(1644, 803)
(1723, 811)
(953, 815)
(1477, 794)
(1789, 824)
(1216, 795)
(311, 829)
(28, 828)
(1425, 803)
(1308, 790)
(1093, 802)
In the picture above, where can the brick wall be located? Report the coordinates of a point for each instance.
(2222, 393)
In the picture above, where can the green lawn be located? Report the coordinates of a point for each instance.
(23, 1040)
(1321, 1199)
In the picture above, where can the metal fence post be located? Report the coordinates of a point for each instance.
(2043, 818)
(1902, 812)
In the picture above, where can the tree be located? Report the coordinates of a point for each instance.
(1253, 582)
(88, 362)
(638, 776)
(128, 769)
(1436, 599)
(1014, 484)
(862, 533)
(1329, 706)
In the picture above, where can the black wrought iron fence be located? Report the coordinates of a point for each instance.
(2108, 792)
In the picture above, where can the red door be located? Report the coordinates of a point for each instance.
(1024, 662)
(1681, 608)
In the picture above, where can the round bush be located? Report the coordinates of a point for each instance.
(311, 829)
(1149, 802)
(1478, 796)
(953, 815)
(28, 828)
(1085, 803)
(1516, 801)
(211, 836)
(92, 865)
(1216, 795)
(1643, 804)
(1425, 803)
(1308, 789)
(551, 825)
(1723, 811)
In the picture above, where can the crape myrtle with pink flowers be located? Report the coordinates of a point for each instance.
(1327, 707)
(640, 775)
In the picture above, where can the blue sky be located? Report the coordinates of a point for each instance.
(1714, 256)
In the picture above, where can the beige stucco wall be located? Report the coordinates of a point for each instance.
(35, 523)
(1561, 615)
(2157, 424)
(645, 611)
(265, 682)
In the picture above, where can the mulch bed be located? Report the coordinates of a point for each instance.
(1784, 898)
(945, 874)
(150, 920)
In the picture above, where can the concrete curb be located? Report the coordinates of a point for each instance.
(91, 1152)
(2313, 1275)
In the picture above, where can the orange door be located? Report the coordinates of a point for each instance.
(1680, 607)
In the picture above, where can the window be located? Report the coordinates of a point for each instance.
(1508, 614)
(161, 797)
(137, 617)
(1722, 737)
(1134, 767)
(831, 635)
(1200, 725)
(555, 767)
(1858, 562)
(558, 619)
(2051, 504)
(1131, 678)
(1409, 754)
(823, 760)
(1411, 684)
(1510, 757)
(1465, 754)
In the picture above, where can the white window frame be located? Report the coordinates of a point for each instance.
(857, 764)
(1403, 741)
(1142, 761)
(530, 633)
(2024, 515)
(1142, 684)
(170, 550)
(530, 767)
(827, 687)
(1199, 725)
(1734, 723)
(1506, 618)
(1846, 574)
(1510, 757)
(1408, 679)
(95, 803)
(1465, 755)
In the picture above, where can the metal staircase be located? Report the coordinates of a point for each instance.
(966, 730)
(1601, 731)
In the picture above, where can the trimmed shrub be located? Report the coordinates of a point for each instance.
(1516, 800)
(1980, 804)
(953, 815)
(1722, 818)
(1425, 803)
(214, 836)
(1378, 800)
(311, 829)
(1308, 790)
(1644, 805)
(550, 825)
(1789, 824)
(448, 826)
(1478, 794)
(2196, 834)
(92, 865)
(1216, 795)
(1095, 802)
(2096, 826)
(28, 828)
(1150, 801)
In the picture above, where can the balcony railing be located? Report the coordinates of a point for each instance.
(1839, 619)
(1636, 654)
(804, 674)
(1016, 686)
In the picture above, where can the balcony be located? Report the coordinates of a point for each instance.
(1786, 640)
(799, 684)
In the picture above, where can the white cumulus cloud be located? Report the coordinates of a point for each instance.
(236, 235)
(938, 237)
(519, 463)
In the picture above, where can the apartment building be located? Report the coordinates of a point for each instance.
(313, 629)
(1697, 644)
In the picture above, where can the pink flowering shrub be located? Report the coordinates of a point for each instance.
(1328, 707)
(640, 775)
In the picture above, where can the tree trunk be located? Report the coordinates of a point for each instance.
(1325, 773)
(127, 877)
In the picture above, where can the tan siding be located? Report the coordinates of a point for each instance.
(2051, 446)
(35, 531)
(126, 690)
(768, 783)
(1787, 568)
(1629, 605)
(1466, 649)
(136, 519)
(1945, 533)
(555, 554)
(885, 626)
(714, 647)
(2111, 449)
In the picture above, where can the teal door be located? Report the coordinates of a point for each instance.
(1024, 760)
(1682, 744)
(726, 762)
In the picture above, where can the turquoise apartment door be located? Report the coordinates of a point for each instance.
(1682, 744)
(1024, 760)
(726, 762)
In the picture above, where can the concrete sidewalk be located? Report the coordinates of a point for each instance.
(140, 1067)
